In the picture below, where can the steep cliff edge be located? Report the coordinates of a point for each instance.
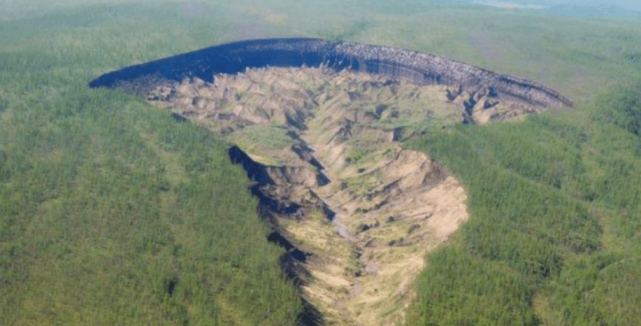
(395, 63)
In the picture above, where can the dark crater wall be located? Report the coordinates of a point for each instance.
(395, 63)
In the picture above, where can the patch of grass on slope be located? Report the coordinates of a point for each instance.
(555, 228)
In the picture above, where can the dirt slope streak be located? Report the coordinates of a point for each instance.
(355, 211)
(395, 63)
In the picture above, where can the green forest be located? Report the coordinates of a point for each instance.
(113, 213)
(554, 234)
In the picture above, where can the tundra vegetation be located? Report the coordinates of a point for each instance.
(113, 213)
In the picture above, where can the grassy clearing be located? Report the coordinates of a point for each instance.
(258, 140)
(263, 136)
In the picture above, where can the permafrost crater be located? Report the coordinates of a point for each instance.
(317, 125)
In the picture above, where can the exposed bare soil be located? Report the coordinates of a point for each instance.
(341, 188)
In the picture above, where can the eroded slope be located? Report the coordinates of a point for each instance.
(356, 211)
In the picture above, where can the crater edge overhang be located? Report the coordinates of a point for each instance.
(394, 63)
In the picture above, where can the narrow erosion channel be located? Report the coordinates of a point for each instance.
(292, 262)
(320, 139)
